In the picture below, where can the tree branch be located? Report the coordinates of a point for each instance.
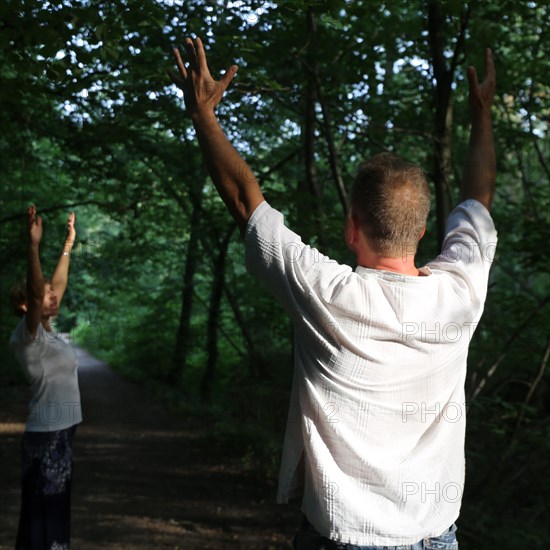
(506, 348)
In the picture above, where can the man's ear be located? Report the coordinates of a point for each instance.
(23, 308)
(422, 232)
(351, 231)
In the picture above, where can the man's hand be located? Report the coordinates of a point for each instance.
(481, 95)
(202, 93)
(71, 232)
(34, 224)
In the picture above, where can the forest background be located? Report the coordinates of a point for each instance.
(91, 123)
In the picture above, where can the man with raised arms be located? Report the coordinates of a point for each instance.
(374, 444)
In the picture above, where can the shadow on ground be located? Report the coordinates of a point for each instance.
(144, 479)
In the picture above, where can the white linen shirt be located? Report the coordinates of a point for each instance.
(375, 431)
(50, 365)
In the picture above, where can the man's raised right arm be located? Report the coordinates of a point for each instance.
(230, 174)
(478, 180)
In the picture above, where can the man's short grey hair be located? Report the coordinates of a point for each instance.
(391, 199)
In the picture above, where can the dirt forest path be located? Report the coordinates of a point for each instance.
(145, 480)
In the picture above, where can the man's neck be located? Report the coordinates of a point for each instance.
(404, 266)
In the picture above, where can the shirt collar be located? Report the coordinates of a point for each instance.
(424, 271)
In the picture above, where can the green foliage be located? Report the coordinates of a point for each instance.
(91, 123)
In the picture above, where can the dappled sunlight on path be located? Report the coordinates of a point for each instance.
(144, 479)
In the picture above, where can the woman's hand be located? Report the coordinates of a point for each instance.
(71, 231)
(34, 225)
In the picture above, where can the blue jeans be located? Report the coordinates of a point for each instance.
(307, 538)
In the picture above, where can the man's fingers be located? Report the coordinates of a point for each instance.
(201, 56)
(191, 54)
(472, 78)
(228, 76)
(179, 62)
(175, 79)
(489, 64)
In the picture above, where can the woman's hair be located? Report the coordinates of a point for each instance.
(18, 296)
(391, 200)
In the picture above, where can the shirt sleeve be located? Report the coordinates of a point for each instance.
(295, 273)
(21, 337)
(468, 252)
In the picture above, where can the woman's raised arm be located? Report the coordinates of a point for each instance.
(60, 277)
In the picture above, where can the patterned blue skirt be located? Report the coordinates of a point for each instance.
(45, 520)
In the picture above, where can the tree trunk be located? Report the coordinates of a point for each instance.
(311, 68)
(309, 141)
(255, 364)
(181, 350)
(443, 109)
(214, 316)
(333, 155)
